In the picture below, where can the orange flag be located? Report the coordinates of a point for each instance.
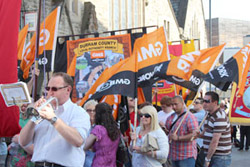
(202, 60)
(47, 38)
(21, 42)
(152, 51)
(188, 70)
(243, 61)
(140, 95)
(114, 101)
(118, 79)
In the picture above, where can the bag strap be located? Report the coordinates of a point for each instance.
(176, 120)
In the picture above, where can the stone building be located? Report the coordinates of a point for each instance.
(183, 19)
(246, 39)
(229, 31)
(71, 13)
(191, 20)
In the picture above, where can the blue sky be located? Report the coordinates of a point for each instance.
(234, 9)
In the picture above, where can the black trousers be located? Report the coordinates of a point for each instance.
(244, 132)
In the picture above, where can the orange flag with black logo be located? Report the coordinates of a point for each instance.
(188, 70)
(152, 52)
(118, 79)
(233, 70)
(47, 38)
(21, 42)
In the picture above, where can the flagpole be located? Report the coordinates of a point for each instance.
(202, 122)
(210, 32)
(136, 94)
(34, 93)
(135, 121)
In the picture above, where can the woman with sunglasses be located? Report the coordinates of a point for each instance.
(149, 126)
(104, 138)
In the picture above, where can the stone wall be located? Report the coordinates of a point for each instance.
(70, 22)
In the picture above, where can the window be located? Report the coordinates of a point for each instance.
(74, 6)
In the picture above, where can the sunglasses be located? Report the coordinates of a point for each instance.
(54, 89)
(89, 110)
(206, 101)
(196, 102)
(145, 115)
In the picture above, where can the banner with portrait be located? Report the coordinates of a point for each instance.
(87, 59)
(240, 105)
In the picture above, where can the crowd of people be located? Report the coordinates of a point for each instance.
(77, 136)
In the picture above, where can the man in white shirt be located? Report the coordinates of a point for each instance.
(166, 105)
(58, 140)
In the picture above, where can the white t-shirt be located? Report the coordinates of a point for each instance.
(162, 116)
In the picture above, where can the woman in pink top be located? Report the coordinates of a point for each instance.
(104, 138)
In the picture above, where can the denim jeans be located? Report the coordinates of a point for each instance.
(190, 162)
(89, 158)
(220, 161)
(2, 160)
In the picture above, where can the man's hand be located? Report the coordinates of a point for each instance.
(39, 102)
(173, 137)
(37, 72)
(47, 112)
(195, 134)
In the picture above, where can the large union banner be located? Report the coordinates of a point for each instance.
(240, 105)
(87, 59)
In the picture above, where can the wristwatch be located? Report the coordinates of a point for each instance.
(53, 120)
(207, 160)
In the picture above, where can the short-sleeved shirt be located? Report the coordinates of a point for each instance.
(200, 116)
(51, 146)
(105, 149)
(180, 150)
(162, 116)
(218, 122)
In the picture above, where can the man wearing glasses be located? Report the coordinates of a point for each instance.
(216, 134)
(58, 139)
